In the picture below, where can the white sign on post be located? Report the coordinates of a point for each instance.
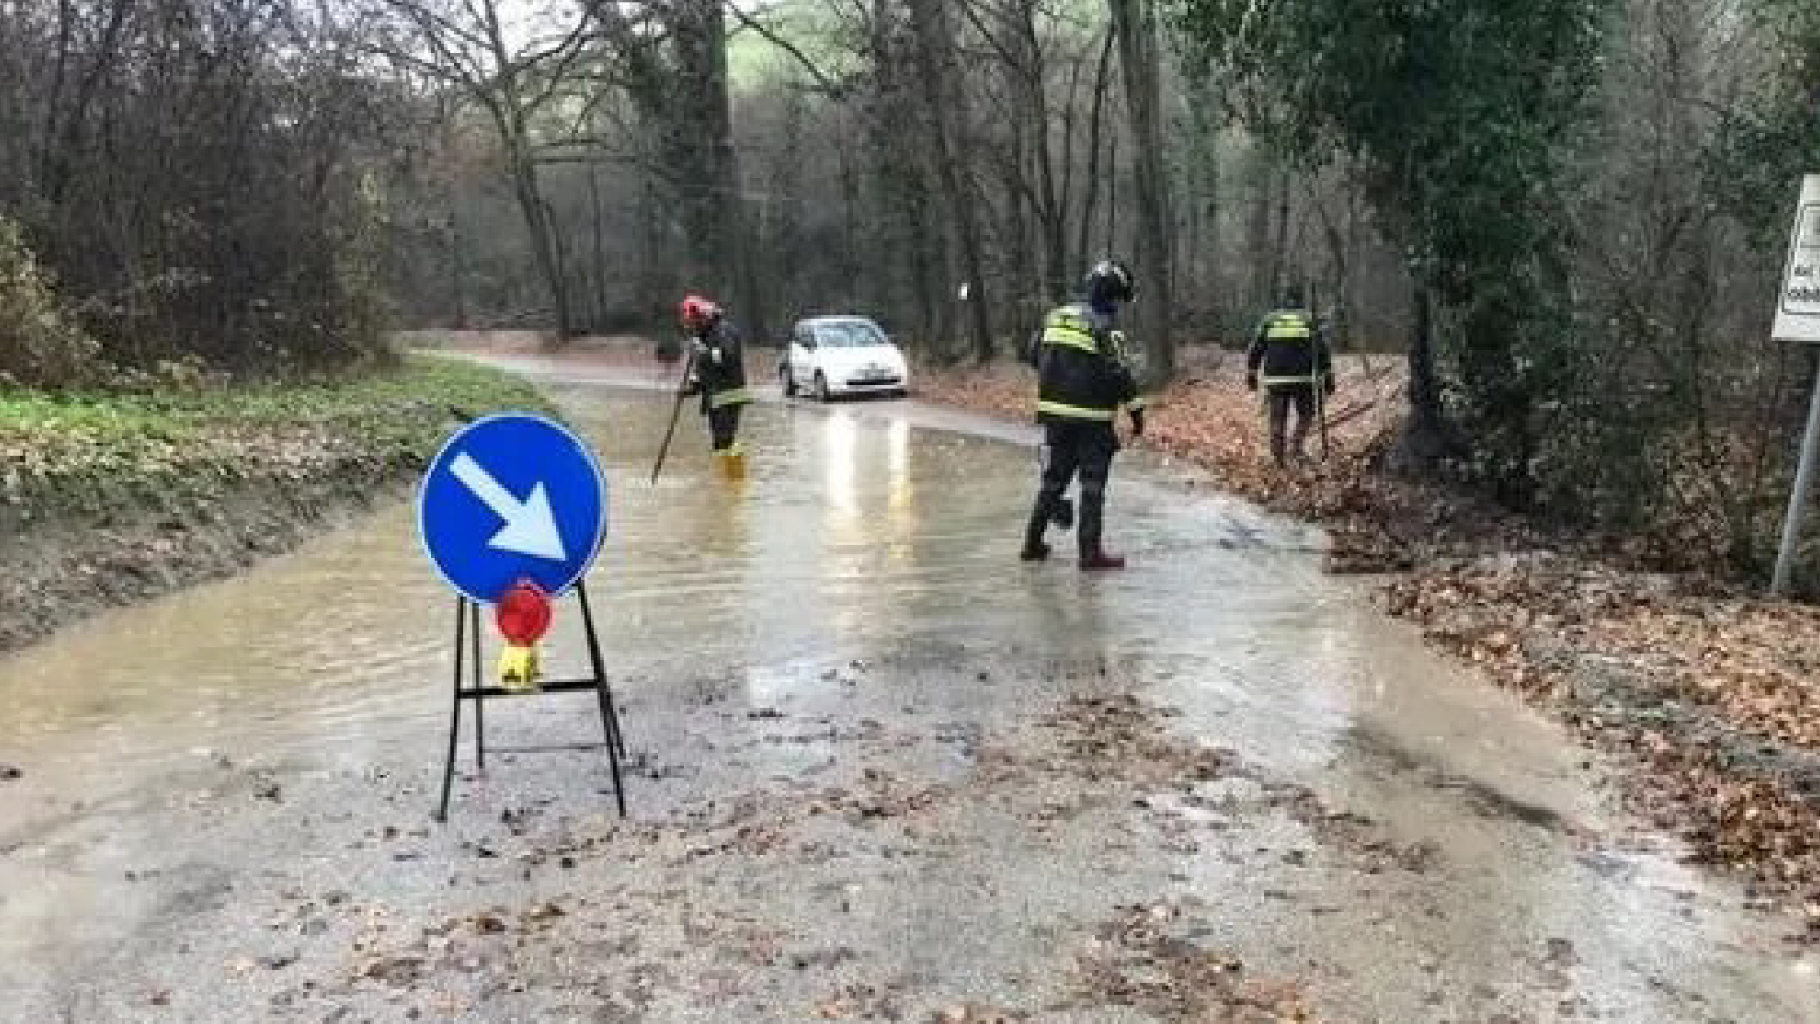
(1798, 306)
(1798, 319)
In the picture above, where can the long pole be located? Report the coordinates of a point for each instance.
(1804, 476)
(1320, 379)
(1320, 411)
(682, 388)
(1797, 499)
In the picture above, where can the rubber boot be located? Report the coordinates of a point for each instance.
(1034, 548)
(1094, 557)
(1099, 561)
(732, 461)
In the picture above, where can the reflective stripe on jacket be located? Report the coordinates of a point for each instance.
(1290, 348)
(722, 380)
(1080, 376)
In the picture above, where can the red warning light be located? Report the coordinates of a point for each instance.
(523, 613)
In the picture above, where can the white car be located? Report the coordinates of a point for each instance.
(843, 355)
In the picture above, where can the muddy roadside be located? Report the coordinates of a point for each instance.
(1705, 691)
(110, 499)
(1219, 788)
(1702, 690)
(875, 842)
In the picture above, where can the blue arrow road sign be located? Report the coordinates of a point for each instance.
(511, 496)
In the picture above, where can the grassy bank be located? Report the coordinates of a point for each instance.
(1705, 691)
(108, 498)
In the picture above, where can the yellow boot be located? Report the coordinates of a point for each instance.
(733, 461)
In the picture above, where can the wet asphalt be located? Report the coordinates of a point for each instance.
(879, 769)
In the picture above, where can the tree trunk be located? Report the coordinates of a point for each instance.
(1339, 258)
(598, 305)
(701, 149)
(851, 266)
(511, 116)
(1212, 238)
(1135, 22)
(1051, 204)
(1095, 121)
(458, 270)
(1257, 232)
(1342, 284)
(1019, 255)
(544, 244)
(1280, 275)
(1425, 433)
(940, 98)
(906, 257)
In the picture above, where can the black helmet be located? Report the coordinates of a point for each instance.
(1292, 296)
(1110, 280)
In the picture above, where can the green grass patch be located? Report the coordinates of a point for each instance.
(93, 452)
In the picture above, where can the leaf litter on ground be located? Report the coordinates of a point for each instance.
(1580, 625)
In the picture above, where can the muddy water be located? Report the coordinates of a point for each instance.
(147, 833)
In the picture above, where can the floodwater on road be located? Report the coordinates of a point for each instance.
(880, 769)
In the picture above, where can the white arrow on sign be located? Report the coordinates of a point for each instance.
(530, 525)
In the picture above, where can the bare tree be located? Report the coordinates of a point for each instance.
(671, 60)
(934, 56)
(465, 44)
(192, 175)
(1134, 22)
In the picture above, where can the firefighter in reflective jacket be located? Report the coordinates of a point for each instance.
(1083, 381)
(719, 374)
(1298, 369)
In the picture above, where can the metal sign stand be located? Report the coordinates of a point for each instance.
(1797, 498)
(467, 658)
(1798, 320)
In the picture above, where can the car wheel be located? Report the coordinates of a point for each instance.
(787, 380)
(821, 387)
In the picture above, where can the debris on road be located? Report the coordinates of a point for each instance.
(1706, 691)
(995, 813)
(1141, 959)
(1711, 697)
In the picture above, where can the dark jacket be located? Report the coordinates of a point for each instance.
(1080, 377)
(1291, 347)
(720, 373)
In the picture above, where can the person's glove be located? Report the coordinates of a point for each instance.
(1137, 422)
(1330, 385)
(1251, 382)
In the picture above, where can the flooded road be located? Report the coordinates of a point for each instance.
(880, 770)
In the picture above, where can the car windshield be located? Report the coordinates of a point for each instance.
(849, 334)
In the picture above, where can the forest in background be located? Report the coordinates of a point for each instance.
(1568, 214)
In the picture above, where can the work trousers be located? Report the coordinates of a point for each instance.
(1280, 397)
(723, 425)
(1085, 447)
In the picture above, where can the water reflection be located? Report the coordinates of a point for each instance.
(839, 434)
(901, 497)
(855, 536)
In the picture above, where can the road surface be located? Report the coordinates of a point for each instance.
(880, 770)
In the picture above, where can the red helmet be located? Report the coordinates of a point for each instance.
(697, 311)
